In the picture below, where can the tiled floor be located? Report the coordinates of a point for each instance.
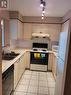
(36, 83)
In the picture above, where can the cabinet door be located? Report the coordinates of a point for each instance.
(16, 29)
(21, 65)
(27, 57)
(16, 73)
(50, 61)
(7, 32)
(13, 29)
(20, 30)
(27, 31)
(54, 66)
(52, 29)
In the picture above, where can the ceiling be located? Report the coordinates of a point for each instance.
(54, 8)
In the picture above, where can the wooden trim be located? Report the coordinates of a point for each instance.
(34, 19)
(15, 15)
(17, 19)
(67, 16)
(41, 23)
(47, 20)
(4, 14)
(38, 20)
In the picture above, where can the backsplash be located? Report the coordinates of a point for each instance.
(25, 44)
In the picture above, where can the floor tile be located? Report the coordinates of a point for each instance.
(32, 89)
(34, 77)
(43, 73)
(20, 93)
(26, 76)
(34, 73)
(49, 75)
(42, 94)
(51, 91)
(43, 78)
(51, 84)
(43, 90)
(31, 93)
(27, 72)
(22, 88)
(33, 83)
(43, 83)
(51, 80)
(24, 82)
(36, 83)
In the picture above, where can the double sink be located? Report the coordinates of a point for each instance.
(9, 56)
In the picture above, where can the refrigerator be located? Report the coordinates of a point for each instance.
(61, 62)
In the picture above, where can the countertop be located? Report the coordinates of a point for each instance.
(7, 63)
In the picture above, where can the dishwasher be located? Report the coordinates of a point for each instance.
(8, 81)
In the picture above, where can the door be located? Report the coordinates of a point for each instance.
(62, 44)
(62, 59)
(59, 79)
(0, 57)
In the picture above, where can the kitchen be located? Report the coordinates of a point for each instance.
(31, 48)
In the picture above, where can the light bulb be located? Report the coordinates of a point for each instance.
(42, 17)
(41, 5)
(43, 12)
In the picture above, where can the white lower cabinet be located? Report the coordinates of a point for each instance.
(27, 59)
(50, 61)
(16, 75)
(22, 66)
(54, 66)
(19, 68)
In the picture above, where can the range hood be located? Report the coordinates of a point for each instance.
(40, 34)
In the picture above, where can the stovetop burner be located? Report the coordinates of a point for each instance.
(44, 50)
(38, 49)
(35, 49)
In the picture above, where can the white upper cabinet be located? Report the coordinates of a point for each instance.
(27, 31)
(19, 30)
(16, 29)
(52, 29)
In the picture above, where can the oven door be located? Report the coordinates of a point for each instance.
(39, 58)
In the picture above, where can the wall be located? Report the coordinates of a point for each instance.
(50, 25)
(5, 16)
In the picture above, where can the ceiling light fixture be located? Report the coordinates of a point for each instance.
(42, 14)
(42, 17)
(43, 10)
(42, 5)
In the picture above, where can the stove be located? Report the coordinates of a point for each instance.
(39, 57)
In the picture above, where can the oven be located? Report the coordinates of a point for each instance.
(39, 57)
